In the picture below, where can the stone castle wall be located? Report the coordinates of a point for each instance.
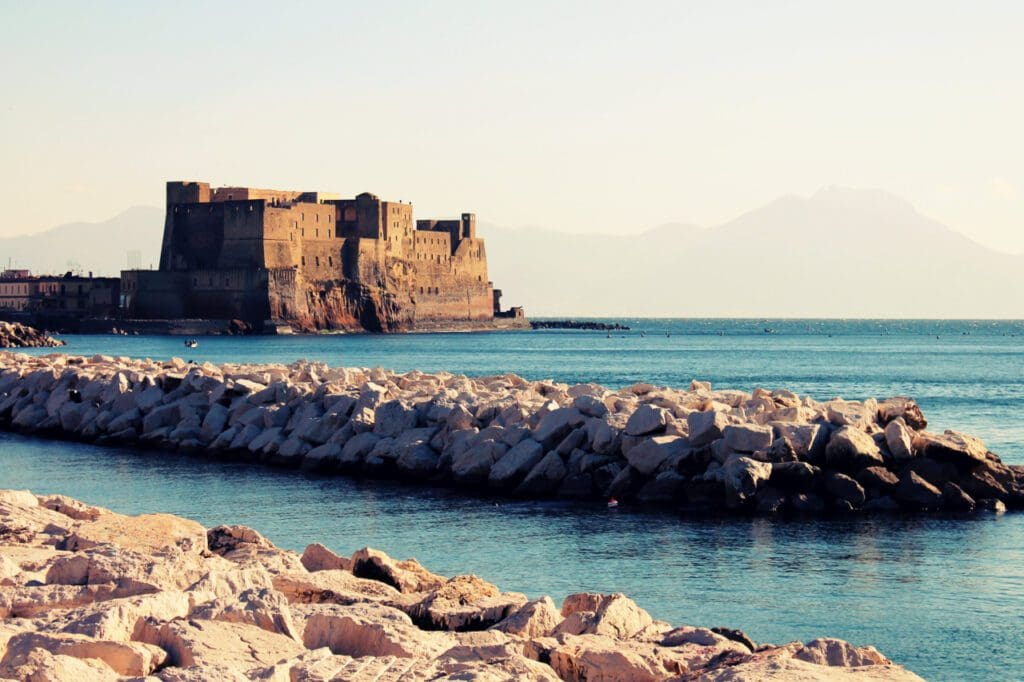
(311, 260)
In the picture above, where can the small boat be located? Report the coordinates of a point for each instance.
(613, 503)
(191, 343)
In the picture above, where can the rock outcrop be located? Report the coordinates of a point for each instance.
(17, 335)
(699, 450)
(163, 599)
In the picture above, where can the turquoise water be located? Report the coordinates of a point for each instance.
(943, 595)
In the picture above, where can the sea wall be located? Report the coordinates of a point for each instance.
(700, 449)
(91, 595)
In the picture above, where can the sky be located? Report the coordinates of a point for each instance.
(577, 116)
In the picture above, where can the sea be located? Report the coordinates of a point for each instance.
(941, 594)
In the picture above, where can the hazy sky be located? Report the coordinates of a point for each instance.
(579, 116)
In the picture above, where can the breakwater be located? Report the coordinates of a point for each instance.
(90, 594)
(18, 335)
(698, 449)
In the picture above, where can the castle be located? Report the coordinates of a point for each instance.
(310, 260)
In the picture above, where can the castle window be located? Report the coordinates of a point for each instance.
(303, 260)
(318, 261)
(330, 261)
(318, 233)
(295, 223)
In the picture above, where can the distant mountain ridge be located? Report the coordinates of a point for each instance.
(101, 248)
(838, 253)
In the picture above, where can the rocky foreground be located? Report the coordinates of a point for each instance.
(17, 335)
(698, 449)
(87, 594)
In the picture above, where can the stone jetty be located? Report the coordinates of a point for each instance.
(699, 449)
(90, 595)
(17, 335)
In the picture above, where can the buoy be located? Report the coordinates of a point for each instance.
(613, 503)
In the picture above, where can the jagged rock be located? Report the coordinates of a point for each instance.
(39, 665)
(124, 658)
(405, 576)
(742, 477)
(837, 653)
(590, 406)
(474, 465)
(556, 425)
(238, 646)
(878, 481)
(843, 487)
(851, 450)
(705, 427)
(545, 477)
(918, 493)
(316, 557)
(747, 438)
(464, 603)
(368, 630)
(955, 498)
(536, 618)
(647, 419)
(613, 615)
(652, 452)
(264, 608)
(515, 464)
(602, 659)
(794, 476)
(900, 439)
(952, 447)
(902, 408)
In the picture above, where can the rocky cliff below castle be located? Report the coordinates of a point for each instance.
(91, 595)
(697, 449)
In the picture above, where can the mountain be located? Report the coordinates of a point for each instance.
(102, 248)
(838, 253)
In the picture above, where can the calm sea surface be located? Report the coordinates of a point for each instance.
(943, 595)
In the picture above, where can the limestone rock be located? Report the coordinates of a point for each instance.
(405, 576)
(652, 452)
(536, 618)
(545, 477)
(835, 652)
(742, 477)
(464, 603)
(851, 450)
(747, 438)
(515, 464)
(900, 439)
(316, 557)
(647, 419)
(918, 493)
(705, 427)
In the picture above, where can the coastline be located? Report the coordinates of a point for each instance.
(91, 594)
(698, 450)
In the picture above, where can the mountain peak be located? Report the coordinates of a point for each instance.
(871, 200)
